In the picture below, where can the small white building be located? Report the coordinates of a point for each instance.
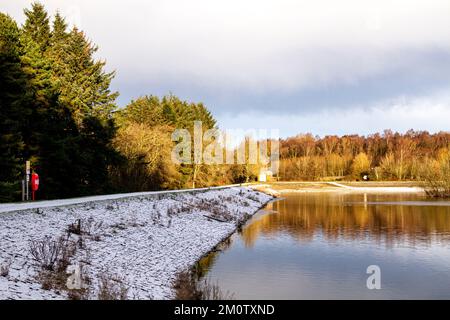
(265, 175)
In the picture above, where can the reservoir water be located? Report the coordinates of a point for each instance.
(319, 246)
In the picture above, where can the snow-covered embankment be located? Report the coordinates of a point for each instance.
(145, 240)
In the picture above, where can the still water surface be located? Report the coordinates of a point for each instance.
(319, 245)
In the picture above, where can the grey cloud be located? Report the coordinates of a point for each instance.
(288, 57)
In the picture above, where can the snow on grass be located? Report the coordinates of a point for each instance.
(146, 240)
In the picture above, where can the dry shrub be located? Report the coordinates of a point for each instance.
(212, 291)
(80, 294)
(436, 174)
(188, 287)
(52, 255)
(252, 197)
(4, 269)
(216, 208)
(75, 227)
(112, 287)
(85, 227)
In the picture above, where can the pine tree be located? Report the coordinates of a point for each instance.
(37, 25)
(170, 110)
(57, 158)
(84, 88)
(53, 141)
(59, 31)
(12, 92)
(57, 52)
(39, 91)
(84, 84)
(55, 108)
(96, 154)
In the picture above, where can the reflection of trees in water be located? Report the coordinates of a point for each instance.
(204, 264)
(336, 218)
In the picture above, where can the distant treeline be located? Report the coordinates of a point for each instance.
(386, 156)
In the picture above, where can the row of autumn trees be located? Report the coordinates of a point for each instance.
(387, 156)
(57, 110)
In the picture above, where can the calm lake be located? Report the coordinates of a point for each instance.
(319, 245)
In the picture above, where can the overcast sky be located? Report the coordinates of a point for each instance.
(326, 67)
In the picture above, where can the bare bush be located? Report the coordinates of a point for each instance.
(75, 227)
(58, 280)
(49, 252)
(4, 269)
(185, 209)
(188, 287)
(212, 291)
(436, 175)
(172, 210)
(253, 197)
(81, 294)
(93, 228)
(67, 251)
(53, 256)
(112, 287)
(85, 227)
(245, 203)
(217, 209)
(157, 218)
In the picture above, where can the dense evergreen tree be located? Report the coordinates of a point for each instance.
(96, 154)
(49, 132)
(59, 31)
(169, 110)
(83, 83)
(57, 50)
(84, 88)
(12, 111)
(37, 25)
(56, 108)
(39, 91)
